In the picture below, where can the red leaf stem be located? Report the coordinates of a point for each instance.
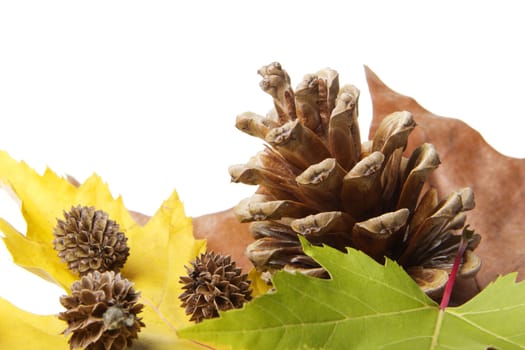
(455, 267)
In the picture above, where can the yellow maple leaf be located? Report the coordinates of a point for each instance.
(158, 252)
(23, 330)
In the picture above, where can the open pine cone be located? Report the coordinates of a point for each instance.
(316, 179)
(101, 312)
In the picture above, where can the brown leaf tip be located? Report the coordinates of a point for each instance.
(101, 312)
(213, 284)
(87, 240)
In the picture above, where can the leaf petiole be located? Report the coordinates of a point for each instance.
(455, 267)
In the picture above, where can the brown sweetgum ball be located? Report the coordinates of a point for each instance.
(88, 240)
(213, 284)
(101, 312)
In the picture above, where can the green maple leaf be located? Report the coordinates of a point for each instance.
(366, 305)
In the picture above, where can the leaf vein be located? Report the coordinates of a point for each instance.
(157, 310)
(331, 335)
(350, 296)
(328, 306)
(285, 307)
(483, 329)
(317, 323)
(507, 308)
(384, 284)
(271, 315)
(405, 340)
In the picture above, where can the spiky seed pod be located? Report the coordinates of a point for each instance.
(318, 180)
(101, 312)
(213, 284)
(87, 240)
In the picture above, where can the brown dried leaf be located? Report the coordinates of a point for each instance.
(225, 234)
(467, 160)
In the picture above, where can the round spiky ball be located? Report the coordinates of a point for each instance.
(87, 240)
(102, 312)
(213, 284)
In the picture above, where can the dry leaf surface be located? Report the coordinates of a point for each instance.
(225, 234)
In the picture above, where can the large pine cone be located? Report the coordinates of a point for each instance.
(102, 312)
(316, 179)
(87, 240)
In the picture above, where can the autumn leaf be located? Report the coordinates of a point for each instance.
(467, 160)
(23, 330)
(158, 252)
(224, 233)
(366, 305)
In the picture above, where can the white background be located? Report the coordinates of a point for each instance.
(145, 94)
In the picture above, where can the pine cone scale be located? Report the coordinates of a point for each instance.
(343, 129)
(297, 144)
